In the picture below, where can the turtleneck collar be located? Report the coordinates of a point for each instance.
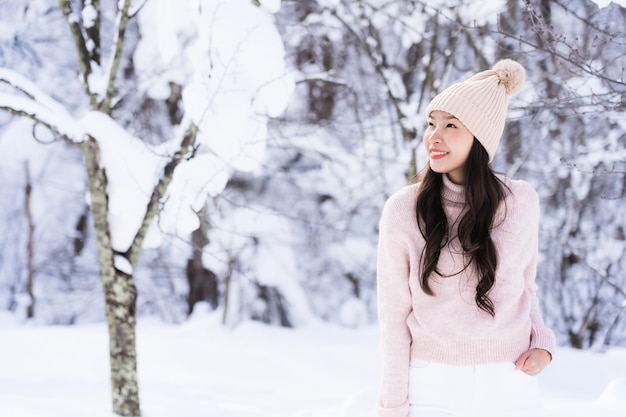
(452, 192)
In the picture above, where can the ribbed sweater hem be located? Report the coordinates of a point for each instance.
(469, 352)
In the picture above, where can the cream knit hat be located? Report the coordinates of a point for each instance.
(481, 102)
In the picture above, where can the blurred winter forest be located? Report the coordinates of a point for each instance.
(292, 237)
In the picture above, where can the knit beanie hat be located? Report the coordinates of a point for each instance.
(481, 102)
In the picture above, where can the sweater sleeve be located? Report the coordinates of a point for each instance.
(541, 335)
(394, 307)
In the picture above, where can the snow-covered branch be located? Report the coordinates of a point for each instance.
(159, 191)
(38, 106)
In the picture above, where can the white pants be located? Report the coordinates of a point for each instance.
(491, 390)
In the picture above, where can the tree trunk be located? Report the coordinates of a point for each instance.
(121, 294)
(30, 251)
(203, 285)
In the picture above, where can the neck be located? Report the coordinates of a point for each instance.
(452, 191)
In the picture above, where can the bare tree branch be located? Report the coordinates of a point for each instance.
(38, 119)
(93, 31)
(79, 41)
(116, 56)
(154, 205)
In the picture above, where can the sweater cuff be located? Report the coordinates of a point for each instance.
(401, 411)
(543, 339)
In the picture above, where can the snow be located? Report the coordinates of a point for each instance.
(230, 59)
(129, 183)
(236, 81)
(273, 6)
(272, 250)
(89, 14)
(98, 79)
(606, 3)
(36, 102)
(239, 81)
(122, 264)
(202, 369)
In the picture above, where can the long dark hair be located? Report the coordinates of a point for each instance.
(484, 192)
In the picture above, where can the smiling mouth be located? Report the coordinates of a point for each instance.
(438, 154)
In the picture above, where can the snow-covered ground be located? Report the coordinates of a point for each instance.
(201, 369)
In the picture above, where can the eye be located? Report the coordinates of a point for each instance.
(451, 125)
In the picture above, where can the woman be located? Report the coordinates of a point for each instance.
(461, 330)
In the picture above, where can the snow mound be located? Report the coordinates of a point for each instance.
(614, 395)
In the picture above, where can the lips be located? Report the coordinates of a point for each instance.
(437, 154)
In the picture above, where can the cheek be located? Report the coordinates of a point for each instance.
(465, 145)
(468, 148)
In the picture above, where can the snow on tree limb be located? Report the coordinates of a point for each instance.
(131, 167)
(159, 191)
(23, 84)
(38, 106)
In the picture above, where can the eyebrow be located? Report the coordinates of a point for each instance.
(446, 118)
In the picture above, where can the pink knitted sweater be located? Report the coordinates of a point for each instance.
(448, 327)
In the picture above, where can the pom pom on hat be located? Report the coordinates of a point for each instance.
(481, 102)
(511, 75)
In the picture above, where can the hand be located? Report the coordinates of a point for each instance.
(533, 361)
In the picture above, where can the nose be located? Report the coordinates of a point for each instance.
(433, 136)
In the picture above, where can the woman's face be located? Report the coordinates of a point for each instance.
(448, 143)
